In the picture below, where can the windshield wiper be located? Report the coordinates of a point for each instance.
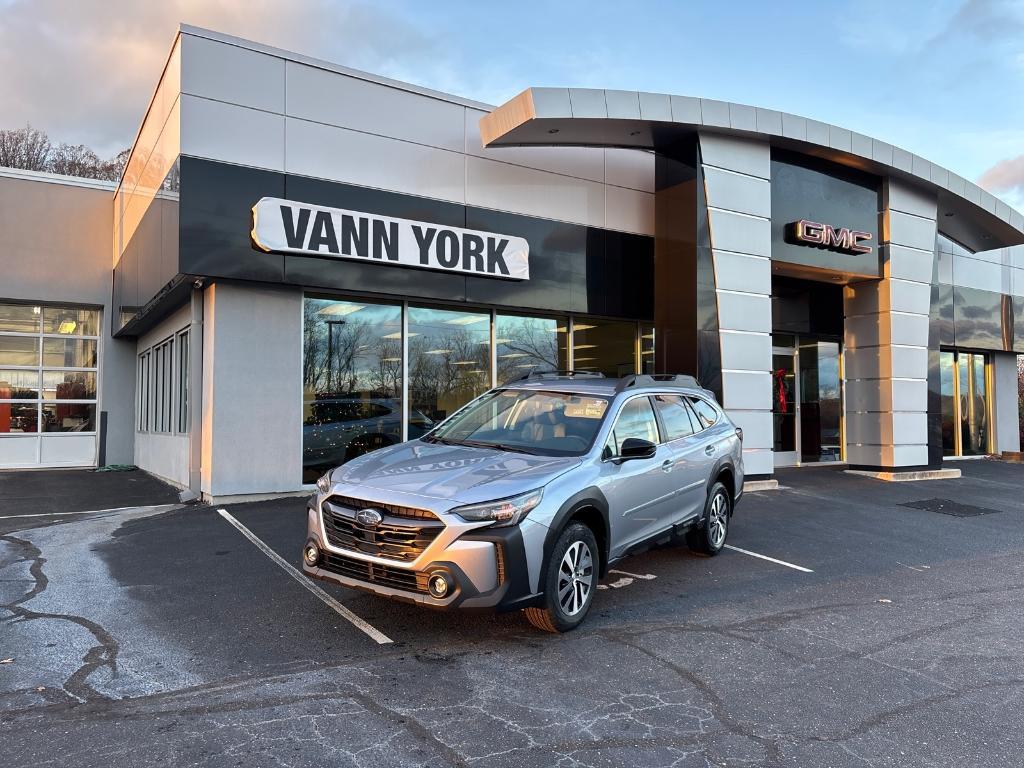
(498, 447)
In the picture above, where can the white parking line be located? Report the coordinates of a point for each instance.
(769, 559)
(151, 508)
(342, 611)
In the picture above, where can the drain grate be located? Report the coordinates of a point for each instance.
(949, 507)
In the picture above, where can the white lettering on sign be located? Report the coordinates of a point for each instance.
(827, 236)
(284, 226)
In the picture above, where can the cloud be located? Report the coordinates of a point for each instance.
(1006, 178)
(84, 70)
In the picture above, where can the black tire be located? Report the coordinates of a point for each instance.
(709, 536)
(552, 615)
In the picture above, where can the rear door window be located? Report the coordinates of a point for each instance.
(676, 417)
(707, 414)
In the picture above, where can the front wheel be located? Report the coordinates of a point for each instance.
(709, 536)
(569, 581)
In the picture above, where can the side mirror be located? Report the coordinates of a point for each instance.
(637, 448)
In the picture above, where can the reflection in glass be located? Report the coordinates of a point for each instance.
(647, 364)
(605, 346)
(820, 403)
(784, 402)
(948, 397)
(71, 322)
(69, 385)
(19, 350)
(351, 382)
(69, 417)
(1020, 397)
(19, 417)
(69, 353)
(19, 318)
(973, 404)
(19, 385)
(526, 344)
(449, 360)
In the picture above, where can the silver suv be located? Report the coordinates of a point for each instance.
(523, 498)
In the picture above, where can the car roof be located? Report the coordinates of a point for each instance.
(609, 387)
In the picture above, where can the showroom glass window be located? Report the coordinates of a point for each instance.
(351, 381)
(449, 361)
(647, 362)
(48, 362)
(526, 344)
(606, 346)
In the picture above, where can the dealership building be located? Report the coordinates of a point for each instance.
(304, 262)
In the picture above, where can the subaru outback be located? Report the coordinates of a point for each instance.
(524, 497)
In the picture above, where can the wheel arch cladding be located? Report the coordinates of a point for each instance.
(589, 507)
(726, 475)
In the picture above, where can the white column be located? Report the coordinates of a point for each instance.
(886, 338)
(737, 179)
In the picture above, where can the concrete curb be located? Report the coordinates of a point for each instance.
(753, 486)
(908, 477)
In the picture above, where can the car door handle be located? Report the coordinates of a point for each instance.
(709, 450)
(667, 465)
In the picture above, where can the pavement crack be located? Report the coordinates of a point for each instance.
(773, 754)
(103, 654)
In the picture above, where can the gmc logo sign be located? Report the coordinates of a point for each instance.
(827, 236)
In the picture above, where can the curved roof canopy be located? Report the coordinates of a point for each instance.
(655, 121)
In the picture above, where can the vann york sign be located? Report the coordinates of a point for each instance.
(284, 226)
(826, 236)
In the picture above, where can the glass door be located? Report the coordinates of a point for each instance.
(785, 405)
(965, 403)
(821, 403)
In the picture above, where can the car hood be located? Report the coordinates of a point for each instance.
(456, 473)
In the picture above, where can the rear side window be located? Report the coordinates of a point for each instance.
(676, 416)
(705, 412)
(636, 419)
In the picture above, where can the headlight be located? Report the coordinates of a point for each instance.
(503, 511)
(324, 483)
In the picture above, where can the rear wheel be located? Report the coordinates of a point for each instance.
(569, 581)
(709, 536)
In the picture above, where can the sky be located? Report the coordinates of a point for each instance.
(941, 78)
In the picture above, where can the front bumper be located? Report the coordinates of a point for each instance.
(485, 566)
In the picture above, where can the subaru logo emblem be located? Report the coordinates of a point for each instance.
(369, 517)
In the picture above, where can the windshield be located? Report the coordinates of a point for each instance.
(527, 421)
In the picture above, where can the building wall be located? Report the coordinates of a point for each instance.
(252, 390)
(1006, 403)
(56, 248)
(279, 113)
(165, 455)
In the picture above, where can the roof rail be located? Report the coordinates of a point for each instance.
(545, 375)
(658, 379)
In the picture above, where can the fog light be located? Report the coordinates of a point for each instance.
(438, 585)
(311, 554)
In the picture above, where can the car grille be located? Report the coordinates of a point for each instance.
(374, 573)
(393, 538)
(392, 509)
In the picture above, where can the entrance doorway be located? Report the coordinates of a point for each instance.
(964, 382)
(807, 400)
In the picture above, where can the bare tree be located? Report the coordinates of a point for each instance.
(26, 148)
(113, 169)
(74, 160)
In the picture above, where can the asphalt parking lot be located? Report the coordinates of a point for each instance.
(160, 635)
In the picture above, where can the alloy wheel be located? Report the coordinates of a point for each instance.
(718, 520)
(575, 578)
